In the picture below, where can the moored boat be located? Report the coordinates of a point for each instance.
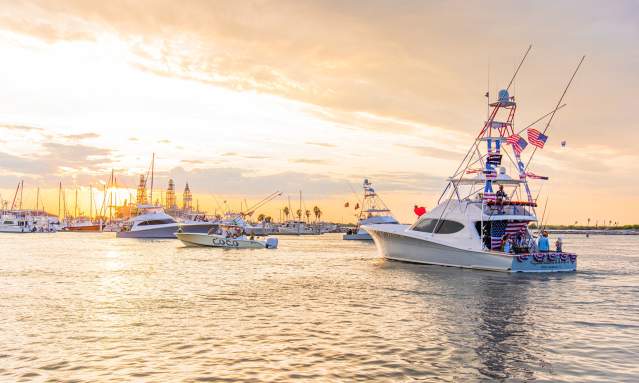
(151, 222)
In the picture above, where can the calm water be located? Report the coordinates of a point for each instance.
(89, 307)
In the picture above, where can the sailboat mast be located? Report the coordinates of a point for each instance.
(152, 174)
(21, 191)
(90, 201)
(59, 195)
(75, 207)
(37, 199)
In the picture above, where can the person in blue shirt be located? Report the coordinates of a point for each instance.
(543, 244)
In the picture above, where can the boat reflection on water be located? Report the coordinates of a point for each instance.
(490, 320)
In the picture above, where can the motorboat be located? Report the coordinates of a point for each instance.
(473, 226)
(296, 227)
(151, 222)
(12, 223)
(227, 236)
(373, 212)
(82, 224)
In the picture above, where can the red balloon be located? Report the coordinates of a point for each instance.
(419, 210)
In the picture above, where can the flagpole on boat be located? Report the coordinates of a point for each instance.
(557, 107)
(519, 67)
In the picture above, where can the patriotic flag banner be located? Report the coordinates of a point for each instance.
(490, 174)
(489, 195)
(473, 171)
(518, 143)
(522, 170)
(500, 228)
(536, 138)
(494, 159)
(497, 146)
(535, 176)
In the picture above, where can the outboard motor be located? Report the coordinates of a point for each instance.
(271, 243)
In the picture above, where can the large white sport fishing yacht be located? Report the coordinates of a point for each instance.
(151, 222)
(373, 212)
(472, 222)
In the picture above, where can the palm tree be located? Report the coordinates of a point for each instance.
(260, 218)
(588, 221)
(308, 215)
(299, 214)
(286, 211)
(316, 211)
(268, 219)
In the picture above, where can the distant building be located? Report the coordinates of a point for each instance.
(171, 200)
(187, 198)
(141, 197)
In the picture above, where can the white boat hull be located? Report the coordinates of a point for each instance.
(398, 246)
(199, 239)
(15, 229)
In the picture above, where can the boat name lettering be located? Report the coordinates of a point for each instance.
(225, 242)
(548, 258)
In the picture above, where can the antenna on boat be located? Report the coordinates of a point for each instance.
(519, 67)
(557, 107)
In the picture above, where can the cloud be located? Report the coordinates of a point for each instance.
(322, 144)
(308, 161)
(81, 136)
(24, 128)
(55, 161)
(237, 181)
(429, 151)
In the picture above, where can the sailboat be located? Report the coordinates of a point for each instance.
(473, 226)
(373, 212)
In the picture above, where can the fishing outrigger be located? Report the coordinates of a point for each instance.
(473, 226)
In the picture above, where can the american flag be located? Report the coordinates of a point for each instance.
(500, 228)
(537, 138)
(493, 159)
(518, 143)
(489, 195)
(535, 176)
(473, 171)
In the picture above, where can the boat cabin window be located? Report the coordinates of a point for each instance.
(157, 222)
(444, 226)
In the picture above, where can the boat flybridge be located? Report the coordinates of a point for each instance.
(373, 212)
(481, 208)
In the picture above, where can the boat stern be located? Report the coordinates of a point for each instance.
(544, 262)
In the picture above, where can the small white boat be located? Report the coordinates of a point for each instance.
(227, 236)
(373, 212)
(214, 240)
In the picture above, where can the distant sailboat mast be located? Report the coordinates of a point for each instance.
(152, 175)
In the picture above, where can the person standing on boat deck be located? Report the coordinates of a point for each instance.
(501, 197)
(559, 244)
(508, 245)
(542, 244)
(501, 194)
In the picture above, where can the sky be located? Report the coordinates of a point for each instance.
(244, 98)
